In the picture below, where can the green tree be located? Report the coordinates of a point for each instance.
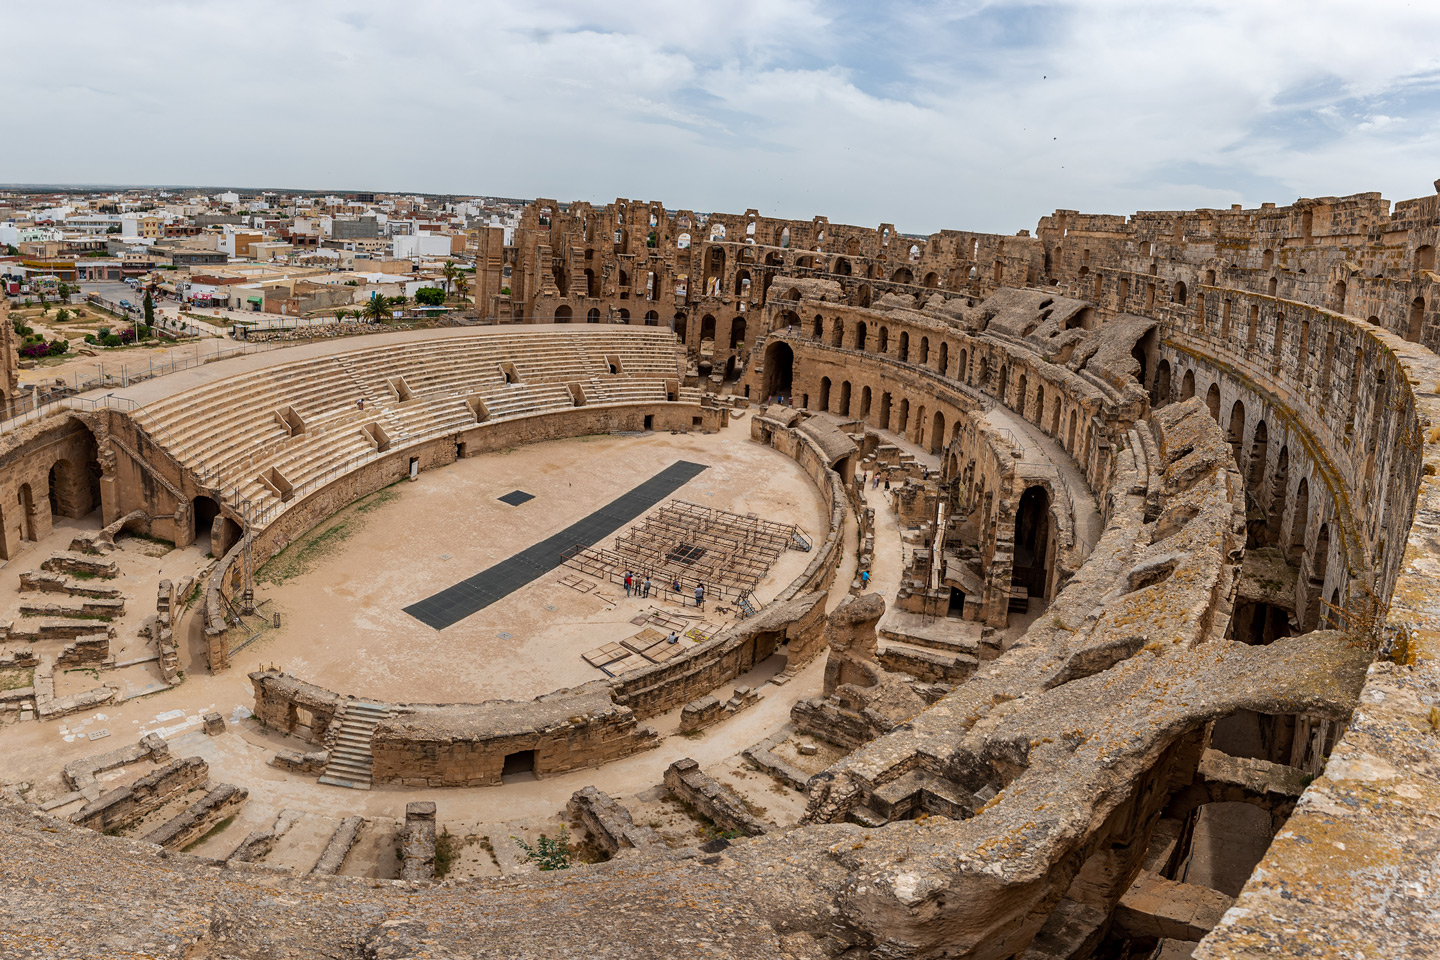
(399, 301)
(341, 314)
(377, 308)
(462, 285)
(450, 271)
(149, 307)
(430, 296)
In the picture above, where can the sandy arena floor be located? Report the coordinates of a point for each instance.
(341, 591)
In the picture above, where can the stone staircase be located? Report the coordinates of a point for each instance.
(350, 760)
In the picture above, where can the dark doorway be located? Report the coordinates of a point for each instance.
(957, 603)
(779, 369)
(519, 765)
(1032, 531)
(205, 510)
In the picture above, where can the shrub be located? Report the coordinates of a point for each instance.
(430, 296)
(110, 340)
(59, 347)
(548, 853)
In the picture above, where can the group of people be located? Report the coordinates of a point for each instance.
(637, 587)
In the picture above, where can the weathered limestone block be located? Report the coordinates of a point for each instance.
(88, 649)
(297, 762)
(32, 630)
(850, 635)
(609, 822)
(219, 802)
(1160, 908)
(928, 665)
(711, 798)
(332, 858)
(89, 607)
(417, 850)
(762, 755)
(214, 724)
(79, 563)
(708, 710)
(19, 657)
(55, 583)
(125, 805)
(80, 774)
(280, 700)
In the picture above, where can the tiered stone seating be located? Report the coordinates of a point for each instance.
(229, 428)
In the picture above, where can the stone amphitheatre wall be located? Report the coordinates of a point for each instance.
(62, 447)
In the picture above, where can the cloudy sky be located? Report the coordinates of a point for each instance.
(977, 115)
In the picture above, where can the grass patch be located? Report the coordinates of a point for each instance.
(208, 834)
(322, 541)
(17, 678)
(444, 853)
(83, 575)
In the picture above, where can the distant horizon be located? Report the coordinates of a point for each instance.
(973, 114)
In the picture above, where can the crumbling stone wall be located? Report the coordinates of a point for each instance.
(125, 805)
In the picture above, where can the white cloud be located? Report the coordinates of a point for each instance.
(973, 115)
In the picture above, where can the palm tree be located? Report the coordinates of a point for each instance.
(462, 285)
(449, 272)
(377, 309)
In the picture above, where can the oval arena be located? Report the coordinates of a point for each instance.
(1062, 595)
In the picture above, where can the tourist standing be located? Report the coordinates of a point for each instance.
(629, 582)
(700, 596)
(648, 585)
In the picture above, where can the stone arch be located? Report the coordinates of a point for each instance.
(592, 315)
(904, 346)
(1212, 401)
(1416, 325)
(937, 432)
(1425, 259)
(837, 333)
(779, 368)
(1161, 394)
(1187, 385)
(844, 409)
(1259, 451)
(924, 351)
(29, 524)
(884, 419)
(563, 313)
(825, 394)
(1179, 293)
(860, 331)
(1279, 489)
(943, 360)
(1030, 566)
(205, 510)
(817, 327)
(904, 420)
(884, 345)
(865, 395)
(1235, 433)
(1299, 520)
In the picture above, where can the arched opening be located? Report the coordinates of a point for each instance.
(562, 314)
(884, 420)
(903, 275)
(1004, 392)
(937, 433)
(737, 332)
(1040, 405)
(1259, 451)
(1145, 352)
(1212, 402)
(884, 345)
(652, 319)
(864, 403)
(919, 432)
(842, 267)
(622, 315)
(707, 328)
(837, 333)
(1161, 394)
(962, 370)
(1022, 396)
(844, 409)
(932, 280)
(230, 534)
(1425, 258)
(1320, 560)
(1032, 533)
(862, 295)
(825, 394)
(944, 363)
(1274, 286)
(1179, 293)
(904, 420)
(779, 369)
(860, 335)
(29, 530)
(904, 346)
(592, 286)
(592, 315)
(1236, 434)
(1417, 320)
(205, 510)
(817, 327)
(1299, 520)
(678, 325)
(1070, 435)
(924, 351)
(1267, 260)
(1279, 487)
(1187, 385)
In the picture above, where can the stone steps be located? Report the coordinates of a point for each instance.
(350, 762)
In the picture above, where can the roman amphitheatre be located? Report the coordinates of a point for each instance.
(1062, 594)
